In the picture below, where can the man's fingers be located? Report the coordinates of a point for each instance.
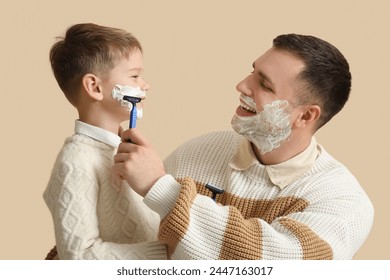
(132, 159)
(117, 170)
(134, 136)
(127, 147)
(120, 131)
(120, 158)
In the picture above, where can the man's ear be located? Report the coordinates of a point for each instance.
(309, 116)
(92, 86)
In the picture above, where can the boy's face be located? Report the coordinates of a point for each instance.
(127, 72)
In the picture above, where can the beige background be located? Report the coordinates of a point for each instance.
(195, 53)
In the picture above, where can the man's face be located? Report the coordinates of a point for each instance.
(267, 100)
(274, 77)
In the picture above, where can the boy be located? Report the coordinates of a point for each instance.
(96, 215)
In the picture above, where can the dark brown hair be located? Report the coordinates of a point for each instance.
(326, 77)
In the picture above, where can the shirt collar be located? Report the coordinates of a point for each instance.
(97, 133)
(281, 174)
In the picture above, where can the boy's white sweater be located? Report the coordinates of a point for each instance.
(96, 215)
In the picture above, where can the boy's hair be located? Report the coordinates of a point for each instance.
(326, 76)
(88, 48)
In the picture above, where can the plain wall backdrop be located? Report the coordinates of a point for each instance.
(195, 53)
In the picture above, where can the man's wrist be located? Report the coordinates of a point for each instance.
(162, 196)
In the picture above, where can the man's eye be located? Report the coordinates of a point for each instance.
(135, 77)
(263, 85)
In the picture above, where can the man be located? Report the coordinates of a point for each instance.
(277, 194)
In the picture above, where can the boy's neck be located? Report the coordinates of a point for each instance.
(104, 123)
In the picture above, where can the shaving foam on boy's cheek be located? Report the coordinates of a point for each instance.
(268, 128)
(120, 91)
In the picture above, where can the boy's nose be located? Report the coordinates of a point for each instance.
(145, 86)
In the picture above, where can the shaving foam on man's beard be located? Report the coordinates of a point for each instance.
(269, 128)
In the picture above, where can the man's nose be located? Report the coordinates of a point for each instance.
(243, 86)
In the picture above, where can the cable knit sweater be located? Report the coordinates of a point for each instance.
(95, 215)
(285, 211)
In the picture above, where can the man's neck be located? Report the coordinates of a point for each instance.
(286, 151)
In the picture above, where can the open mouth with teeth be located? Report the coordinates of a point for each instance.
(247, 108)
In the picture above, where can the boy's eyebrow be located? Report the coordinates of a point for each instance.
(135, 69)
(262, 74)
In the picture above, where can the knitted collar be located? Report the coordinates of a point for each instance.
(281, 174)
(97, 133)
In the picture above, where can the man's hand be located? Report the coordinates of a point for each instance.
(137, 162)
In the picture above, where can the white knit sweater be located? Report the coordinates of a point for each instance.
(95, 215)
(318, 211)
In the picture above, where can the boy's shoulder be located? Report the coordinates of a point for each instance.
(83, 150)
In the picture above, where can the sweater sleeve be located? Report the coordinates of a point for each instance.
(198, 228)
(72, 196)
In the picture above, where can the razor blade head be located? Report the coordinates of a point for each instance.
(131, 99)
(128, 96)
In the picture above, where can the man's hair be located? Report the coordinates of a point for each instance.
(326, 77)
(88, 48)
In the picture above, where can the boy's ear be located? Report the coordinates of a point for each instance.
(309, 116)
(92, 86)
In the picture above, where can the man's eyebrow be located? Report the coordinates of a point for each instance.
(262, 74)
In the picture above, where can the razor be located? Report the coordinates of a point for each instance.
(129, 97)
